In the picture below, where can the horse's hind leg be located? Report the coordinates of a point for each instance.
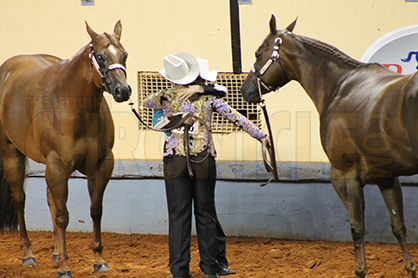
(392, 194)
(53, 211)
(350, 191)
(14, 171)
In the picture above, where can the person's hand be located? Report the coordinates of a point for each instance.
(190, 120)
(268, 141)
(188, 91)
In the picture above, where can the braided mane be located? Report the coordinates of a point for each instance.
(329, 49)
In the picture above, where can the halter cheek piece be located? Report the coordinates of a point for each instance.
(268, 150)
(273, 58)
(103, 71)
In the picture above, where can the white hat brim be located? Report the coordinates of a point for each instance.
(193, 73)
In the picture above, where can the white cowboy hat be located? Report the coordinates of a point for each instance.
(204, 70)
(181, 68)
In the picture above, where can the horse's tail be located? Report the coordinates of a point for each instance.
(8, 216)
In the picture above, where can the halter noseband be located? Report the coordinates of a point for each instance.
(275, 55)
(103, 71)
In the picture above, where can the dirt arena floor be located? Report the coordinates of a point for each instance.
(147, 256)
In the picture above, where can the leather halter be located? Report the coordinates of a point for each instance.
(103, 71)
(268, 149)
(275, 57)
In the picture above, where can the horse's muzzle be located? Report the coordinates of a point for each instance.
(122, 93)
(249, 89)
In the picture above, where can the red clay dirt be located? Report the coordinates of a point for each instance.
(140, 256)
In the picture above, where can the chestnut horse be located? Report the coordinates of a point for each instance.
(53, 111)
(368, 123)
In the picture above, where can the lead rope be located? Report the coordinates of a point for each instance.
(270, 167)
(186, 143)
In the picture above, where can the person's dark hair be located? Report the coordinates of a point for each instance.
(199, 81)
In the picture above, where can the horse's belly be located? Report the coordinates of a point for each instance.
(372, 166)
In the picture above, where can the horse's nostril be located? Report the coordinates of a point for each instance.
(126, 90)
(122, 92)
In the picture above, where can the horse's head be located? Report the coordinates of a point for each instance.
(267, 73)
(109, 58)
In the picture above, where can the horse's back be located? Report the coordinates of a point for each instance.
(19, 69)
(26, 62)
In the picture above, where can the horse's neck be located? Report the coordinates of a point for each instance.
(321, 87)
(85, 81)
(322, 74)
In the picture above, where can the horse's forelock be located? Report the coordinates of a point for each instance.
(114, 42)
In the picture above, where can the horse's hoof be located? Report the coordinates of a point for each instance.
(54, 259)
(64, 274)
(101, 268)
(30, 261)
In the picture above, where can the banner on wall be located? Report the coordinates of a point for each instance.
(397, 50)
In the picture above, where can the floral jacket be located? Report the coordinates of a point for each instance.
(203, 107)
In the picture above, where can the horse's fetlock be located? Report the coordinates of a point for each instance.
(97, 248)
(411, 267)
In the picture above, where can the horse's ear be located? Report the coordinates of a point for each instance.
(292, 25)
(118, 30)
(273, 29)
(92, 34)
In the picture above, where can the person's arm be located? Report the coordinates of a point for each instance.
(216, 90)
(238, 119)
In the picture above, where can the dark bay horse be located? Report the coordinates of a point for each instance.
(53, 111)
(368, 122)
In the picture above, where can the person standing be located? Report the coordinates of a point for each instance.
(189, 164)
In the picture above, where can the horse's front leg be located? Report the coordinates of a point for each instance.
(97, 184)
(57, 176)
(392, 194)
(350, 191)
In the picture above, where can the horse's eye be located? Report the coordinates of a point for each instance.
(101, 58)
(257, 55)
(125, 56)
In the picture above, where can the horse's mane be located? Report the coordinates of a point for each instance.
(329, 49)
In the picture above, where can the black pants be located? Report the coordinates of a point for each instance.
(182, 192)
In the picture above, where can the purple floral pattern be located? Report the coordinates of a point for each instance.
(203, 107)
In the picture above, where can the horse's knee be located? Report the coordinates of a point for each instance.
(357, 232)
(62, 220)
